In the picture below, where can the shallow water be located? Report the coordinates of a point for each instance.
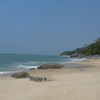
(16, 62)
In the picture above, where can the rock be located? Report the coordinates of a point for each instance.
(75, 55)
(20, 75)
(31, 68)
(51, 66)
(38, 79)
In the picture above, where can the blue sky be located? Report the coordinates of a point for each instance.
(47, 26)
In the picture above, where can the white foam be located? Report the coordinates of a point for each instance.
(72, 60)
(27, 67)
(37, 62)
(78, 59)
(1, 73)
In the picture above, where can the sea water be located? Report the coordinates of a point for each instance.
(18, 62)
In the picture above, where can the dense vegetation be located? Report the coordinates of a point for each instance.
(91, 49)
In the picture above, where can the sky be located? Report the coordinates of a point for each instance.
(47, 26)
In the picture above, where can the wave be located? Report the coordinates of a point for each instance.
(77, 59)
(72, 60)
(27, 67)
(36, 63)
(21, 67)
(9, 72)
(2, 73)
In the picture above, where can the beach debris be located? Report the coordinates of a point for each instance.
(20, 75)
(38, 79)
(51, 66)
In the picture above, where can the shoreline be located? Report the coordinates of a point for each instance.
(67, 64)
(90, 62)
(86, 63)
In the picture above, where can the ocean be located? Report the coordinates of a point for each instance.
(17, 62)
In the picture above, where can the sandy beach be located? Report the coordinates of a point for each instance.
(65, 84)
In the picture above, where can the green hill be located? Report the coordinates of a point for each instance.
(91, 49)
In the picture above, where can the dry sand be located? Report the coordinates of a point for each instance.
(65, 84)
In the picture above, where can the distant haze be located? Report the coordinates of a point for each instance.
(47, 26)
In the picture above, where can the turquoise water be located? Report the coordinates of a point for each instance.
(14, 62)
(17, 62)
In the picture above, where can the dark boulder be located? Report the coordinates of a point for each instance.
(20, 75)
(51, 66)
